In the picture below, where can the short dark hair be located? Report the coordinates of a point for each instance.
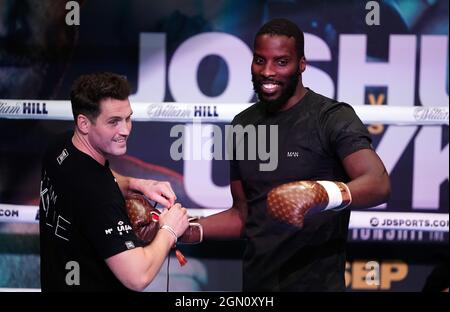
(89, 90)
(284, 27)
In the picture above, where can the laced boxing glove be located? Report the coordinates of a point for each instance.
(145, 221)
(292, 202)
(143, 217)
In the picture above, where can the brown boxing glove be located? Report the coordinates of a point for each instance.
(143, 217)
(145, 221)
(292, 202)
(193, 234)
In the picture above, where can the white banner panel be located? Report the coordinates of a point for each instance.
(359, 219)
(221, 112)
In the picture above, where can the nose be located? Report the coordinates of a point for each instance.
(267, 70)
(125, 129)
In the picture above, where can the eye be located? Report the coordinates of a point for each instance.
(258, 60)
(113, 122)
(282, 62)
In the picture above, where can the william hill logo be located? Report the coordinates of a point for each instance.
(9, 109)
(205, 111)
(34, 108)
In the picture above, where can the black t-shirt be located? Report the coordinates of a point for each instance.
(82, 221)
(314, 136)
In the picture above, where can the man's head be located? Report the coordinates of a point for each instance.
(278, 61)
(102, 111)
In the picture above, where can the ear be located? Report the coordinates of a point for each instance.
(302, 64)
(83, 123)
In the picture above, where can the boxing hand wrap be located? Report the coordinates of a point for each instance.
(193, 234)
(291, 202)
(145, 221)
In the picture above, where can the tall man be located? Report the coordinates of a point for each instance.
(295, 218)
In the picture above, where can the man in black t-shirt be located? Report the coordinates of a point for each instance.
(293, 209)
(87, 243)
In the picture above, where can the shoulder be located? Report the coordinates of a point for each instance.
(327, 107)
(324, 104)
(58, 149)
(58, 141)
(249, 116)
(63, 157)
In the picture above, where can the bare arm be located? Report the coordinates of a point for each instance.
(370, 184)
(230, 223)
(136, 268)
(160, 192)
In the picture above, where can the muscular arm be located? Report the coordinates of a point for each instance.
(230, 223)
(136, 268)
(370, 184)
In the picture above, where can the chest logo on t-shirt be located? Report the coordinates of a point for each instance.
(293, 154)
(121, 227)
(62, 156)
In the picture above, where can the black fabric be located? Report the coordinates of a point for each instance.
(82, 218)
(315, 135)
(438, 280)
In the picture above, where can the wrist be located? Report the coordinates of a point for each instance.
(339, 196)
(169, 229)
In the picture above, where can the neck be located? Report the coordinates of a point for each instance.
(81, 143)
(294, 99)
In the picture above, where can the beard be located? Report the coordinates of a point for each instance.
(272, 106)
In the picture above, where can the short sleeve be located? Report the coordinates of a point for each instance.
(343, 130)
(109, 230)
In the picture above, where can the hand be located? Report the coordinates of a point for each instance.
(145, 221)
(176, 218)
(292, 202)
(161, 192)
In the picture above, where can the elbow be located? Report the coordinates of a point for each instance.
(385, 189)
(138, 284)
(387, 194)
(133, 268)
(138, 281)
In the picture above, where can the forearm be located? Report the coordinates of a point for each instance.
(370, 184)
(227, 224)
(128, 184)
(156, 253)
(369, 190)
(137, 267)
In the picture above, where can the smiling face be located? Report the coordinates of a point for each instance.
(276, 71)
(109, 133)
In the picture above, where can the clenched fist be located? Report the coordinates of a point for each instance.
(292, 202)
